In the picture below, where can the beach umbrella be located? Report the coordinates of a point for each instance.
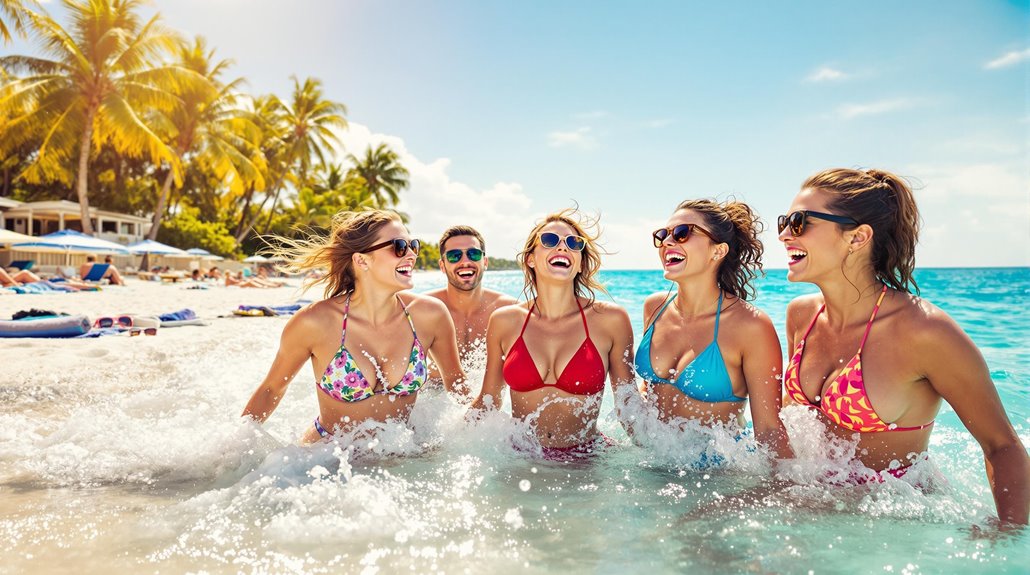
(9, 237)
(256, 259)
(156, 248)
(70, 242)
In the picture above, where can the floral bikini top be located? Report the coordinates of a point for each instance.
(343, 381)
(844, 400)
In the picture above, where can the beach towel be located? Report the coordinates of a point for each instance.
(180, 318)
(41, 287)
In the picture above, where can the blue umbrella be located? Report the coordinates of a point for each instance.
(156, 248)
(203, 254)
(70, 241)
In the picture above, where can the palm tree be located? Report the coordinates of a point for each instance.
(308, 124)
(15, 12)
(94, 90)
(209, 126)
(383, 175)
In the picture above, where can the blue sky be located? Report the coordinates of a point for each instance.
(505, 111)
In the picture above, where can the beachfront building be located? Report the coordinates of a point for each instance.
(41, 218)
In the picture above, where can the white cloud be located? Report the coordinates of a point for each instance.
(580, 138)
(827, 74)
(1008, 59)
(974, 215)
(502, 212)
(851, 111)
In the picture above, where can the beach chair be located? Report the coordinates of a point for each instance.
(23, 264)
(96, 273)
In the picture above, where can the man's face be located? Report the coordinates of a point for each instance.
(463, 274)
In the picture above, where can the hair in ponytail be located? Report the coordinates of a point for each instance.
(884, 202)
(735, 224)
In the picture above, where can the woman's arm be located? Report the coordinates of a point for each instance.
(294, 350)
(762, 364)
(956, 370)
(493, 379)
(444, 348)
(620, 365)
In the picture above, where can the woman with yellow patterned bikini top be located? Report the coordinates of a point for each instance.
(853, 233)
(365, 326)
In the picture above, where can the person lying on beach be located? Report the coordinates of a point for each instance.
(369, 339)
(879, 360)
(555, 351)
(17, 277)
(251, 282)
(705, 351)
(463, 261)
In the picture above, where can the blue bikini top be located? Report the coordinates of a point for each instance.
(704, 379)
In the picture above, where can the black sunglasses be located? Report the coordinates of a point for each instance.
(575, 243)
(796, 221)
(454, 256)
(400, 246)
(679, 233)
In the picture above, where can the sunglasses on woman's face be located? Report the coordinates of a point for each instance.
(454, 256)
(796, 221)
(121, 321)
(573, 242)
(400, 246)
(679, 233)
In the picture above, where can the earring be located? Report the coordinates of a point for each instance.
(850, 251)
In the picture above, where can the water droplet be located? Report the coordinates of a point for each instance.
(892, 426)
(532, 469)
(524, 485)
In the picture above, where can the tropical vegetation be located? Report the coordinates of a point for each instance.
(122, 113)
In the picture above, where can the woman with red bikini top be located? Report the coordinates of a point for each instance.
(555, 350)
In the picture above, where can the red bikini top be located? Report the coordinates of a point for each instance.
(583, 375)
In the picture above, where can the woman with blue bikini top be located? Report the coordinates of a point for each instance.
(705, 351)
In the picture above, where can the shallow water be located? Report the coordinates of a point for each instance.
(151, 470)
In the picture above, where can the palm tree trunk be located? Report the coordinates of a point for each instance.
(271, 212)
(81, 188)
(242, 232)
(159, 209)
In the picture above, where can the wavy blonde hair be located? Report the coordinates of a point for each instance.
(351, 233)
(585, 283)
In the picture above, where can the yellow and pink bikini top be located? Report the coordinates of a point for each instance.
(343, 381)
(844, 400)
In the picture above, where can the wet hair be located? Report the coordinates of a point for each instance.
(884, 202)
(461, 231)
(736, 225)
(351, 233)
(585, 283)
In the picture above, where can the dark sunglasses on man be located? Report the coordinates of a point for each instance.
(680, 233)
(400, 246)
(796, 221)
(454, 256)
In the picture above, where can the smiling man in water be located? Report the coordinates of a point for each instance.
(463, 260)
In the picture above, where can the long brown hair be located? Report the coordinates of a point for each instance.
(884, 202)
(735, 224)
(585, 283)
(351, 233)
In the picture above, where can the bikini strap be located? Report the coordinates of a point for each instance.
(411, 322)
(661, 310)
(528, 315)
(869, 325)
(346, 311)
(584, 317)
(718, 314)
(811, 325)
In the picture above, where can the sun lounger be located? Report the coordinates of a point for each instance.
(96, 273)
